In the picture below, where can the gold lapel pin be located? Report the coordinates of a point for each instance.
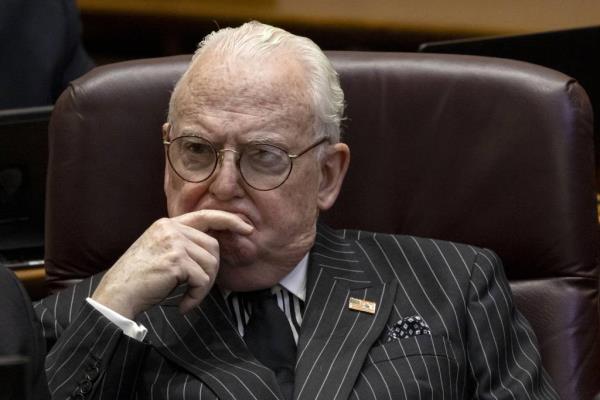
(362, 305)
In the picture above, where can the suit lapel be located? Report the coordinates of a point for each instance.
(206, 344)
(334, 340)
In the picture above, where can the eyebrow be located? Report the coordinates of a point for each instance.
(190, 132)
(268, 140)
(260, 138)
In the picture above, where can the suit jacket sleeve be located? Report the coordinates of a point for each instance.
(86, 349)
(502, 348)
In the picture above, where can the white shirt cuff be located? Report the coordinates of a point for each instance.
(130, 328)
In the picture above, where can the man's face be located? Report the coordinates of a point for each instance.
(231, 105)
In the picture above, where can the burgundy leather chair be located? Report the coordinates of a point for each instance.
(479, 150)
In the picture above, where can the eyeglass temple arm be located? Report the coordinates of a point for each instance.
(309, 148)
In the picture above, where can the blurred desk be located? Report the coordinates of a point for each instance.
(125, 29)
(350, 14)
(153, 28)
(474, 16)
(33, 277)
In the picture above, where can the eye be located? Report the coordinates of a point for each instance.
(196, 148)
(193, 154)
(264, 154)
(265, 158)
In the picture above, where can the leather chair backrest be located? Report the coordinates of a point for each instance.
(492, 152)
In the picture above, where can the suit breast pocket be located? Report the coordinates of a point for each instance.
(417, 346)
(418, 367)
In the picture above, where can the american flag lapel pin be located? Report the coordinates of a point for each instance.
(362, 305)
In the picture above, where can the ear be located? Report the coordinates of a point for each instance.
(333, 170)
(165, 135)
(165, 130)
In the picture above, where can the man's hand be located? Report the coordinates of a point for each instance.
(172, 251)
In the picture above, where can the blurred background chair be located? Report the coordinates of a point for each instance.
(491, 152)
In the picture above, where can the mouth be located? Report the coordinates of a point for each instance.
(229, 242)
(243, 217)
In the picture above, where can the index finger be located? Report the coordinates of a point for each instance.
(205, 220)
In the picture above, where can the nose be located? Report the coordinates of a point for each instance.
(226, 181)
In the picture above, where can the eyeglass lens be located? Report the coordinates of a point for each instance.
(262, 166)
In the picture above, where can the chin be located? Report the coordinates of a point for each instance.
(245, 278)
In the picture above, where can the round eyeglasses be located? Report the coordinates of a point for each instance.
(262, 166)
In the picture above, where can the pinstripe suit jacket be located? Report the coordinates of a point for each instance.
(479, 347)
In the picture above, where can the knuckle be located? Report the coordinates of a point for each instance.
(212, 265)
(162, 223)
(165, 232)
(174, 258)
(179, 274)
(175, 254)
(212, 245)
(202, 213)
(204, 279)
(214, 260)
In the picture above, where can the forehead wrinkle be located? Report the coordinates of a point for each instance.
(272, 93)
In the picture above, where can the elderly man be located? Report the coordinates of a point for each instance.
(240, 294)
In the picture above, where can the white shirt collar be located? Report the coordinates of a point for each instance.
(295, 281)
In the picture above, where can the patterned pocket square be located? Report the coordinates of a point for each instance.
(408, 327)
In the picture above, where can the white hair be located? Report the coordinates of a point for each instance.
(256, 40)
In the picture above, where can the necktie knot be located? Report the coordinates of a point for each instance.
(259, 298)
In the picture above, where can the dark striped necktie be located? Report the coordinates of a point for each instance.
(269, 338)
